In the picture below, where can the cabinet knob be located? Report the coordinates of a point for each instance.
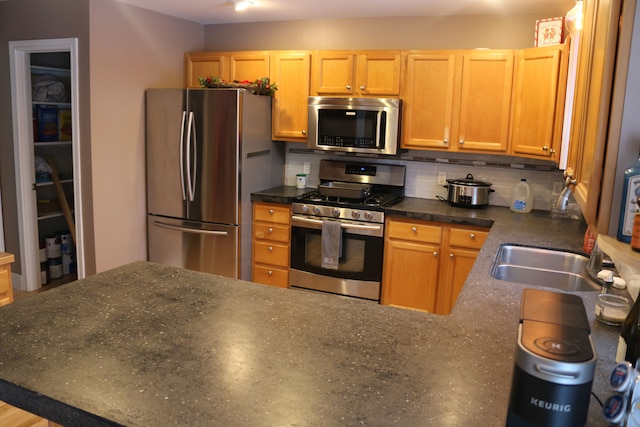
(304, 132)
(348, 87)
(472, 236)
(445, 141)
(461, 142)
(362, 87)
(270, 211)
(270, 230)
(269, 273)
(270, 248)
(451, 256)
(435, 253)
(545, 148)
(415, 230)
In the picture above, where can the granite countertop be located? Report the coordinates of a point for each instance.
(146, 345)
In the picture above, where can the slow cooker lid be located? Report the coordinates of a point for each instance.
(469, 181)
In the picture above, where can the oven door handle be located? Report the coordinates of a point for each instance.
(347, 226)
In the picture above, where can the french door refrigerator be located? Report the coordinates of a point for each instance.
(207, 150)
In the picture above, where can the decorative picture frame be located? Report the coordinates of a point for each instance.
(549, 31)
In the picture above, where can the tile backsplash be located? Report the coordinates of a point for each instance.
(422, 176)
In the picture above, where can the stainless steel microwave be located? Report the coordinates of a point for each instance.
(363, 125)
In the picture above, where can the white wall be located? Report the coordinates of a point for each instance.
(422, 178)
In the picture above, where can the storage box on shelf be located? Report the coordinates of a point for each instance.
(271, 244)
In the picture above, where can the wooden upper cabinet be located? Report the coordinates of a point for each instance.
(541, 75)
(485, 101)
(457, 100)
(591, 106)
(248, 65)
(290, 71)
(203, 64)
(228, 66)
(347, 73)
(427, 95)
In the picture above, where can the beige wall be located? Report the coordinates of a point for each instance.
(132, 49)
(123, 51)
(445, 32)
(30, 20)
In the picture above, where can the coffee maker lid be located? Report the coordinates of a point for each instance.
(556, 342)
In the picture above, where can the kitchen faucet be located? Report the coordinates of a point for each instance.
(563, 198)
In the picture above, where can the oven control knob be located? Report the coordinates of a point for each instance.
(335, 212)
(316, 210)
(368, 216)
(304, 208)
(355, 214)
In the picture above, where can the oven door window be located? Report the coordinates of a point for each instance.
(350, 128)
(361, 256)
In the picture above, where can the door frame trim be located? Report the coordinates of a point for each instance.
(20, 68)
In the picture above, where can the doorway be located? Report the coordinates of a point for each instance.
(46, 129)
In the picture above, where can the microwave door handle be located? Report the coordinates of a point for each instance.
(303, 219)
(379, 122)
(184, 192)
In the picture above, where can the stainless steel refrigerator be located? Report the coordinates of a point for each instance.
(207, 150)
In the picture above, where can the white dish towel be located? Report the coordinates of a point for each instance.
(331, 244)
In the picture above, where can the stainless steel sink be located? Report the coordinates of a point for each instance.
(545, 267)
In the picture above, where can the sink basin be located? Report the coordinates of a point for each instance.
(545, 267)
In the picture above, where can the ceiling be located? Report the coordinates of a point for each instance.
(221, 11)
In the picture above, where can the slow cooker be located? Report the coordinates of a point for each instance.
(468, 192)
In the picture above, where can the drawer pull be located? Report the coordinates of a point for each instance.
(473, 236)
(415, 230)
(271, 230)
(270, 273)
(270, 211)
(451, 256)
(435, 253)
(270, 248)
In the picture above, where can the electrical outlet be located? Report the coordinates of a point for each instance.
(442, 178)
(306, 168)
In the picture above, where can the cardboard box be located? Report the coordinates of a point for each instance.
(47, 118)
(549, 31)
(64, 124)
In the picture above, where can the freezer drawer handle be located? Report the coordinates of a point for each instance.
(190, 230)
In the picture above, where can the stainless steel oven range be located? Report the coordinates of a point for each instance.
(337, 230)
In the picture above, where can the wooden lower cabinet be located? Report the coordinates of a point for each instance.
(6, 287)
(271, 244)
(427, 263)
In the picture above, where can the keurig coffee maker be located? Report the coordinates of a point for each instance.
(555, 362)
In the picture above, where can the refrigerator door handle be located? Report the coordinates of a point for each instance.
(192, 136)
(190, 186)
(184, 193)
(190, 230)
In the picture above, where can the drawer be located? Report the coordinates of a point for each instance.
(467, 238)
(276, 233)
(269, 275)
(271, 253)
(414, 231)
(268, 212)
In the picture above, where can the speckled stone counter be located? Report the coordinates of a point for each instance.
(486, 314)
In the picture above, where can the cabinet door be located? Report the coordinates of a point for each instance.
(455, 267)
(333, 73)
(248, 65)
(427, 96)
(202, 64)
(290, 71)
(539, 102)
(410, 275)
(485, 101)
(594, 82)
(378, 74)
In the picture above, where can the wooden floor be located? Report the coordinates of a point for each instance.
(10, 416)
